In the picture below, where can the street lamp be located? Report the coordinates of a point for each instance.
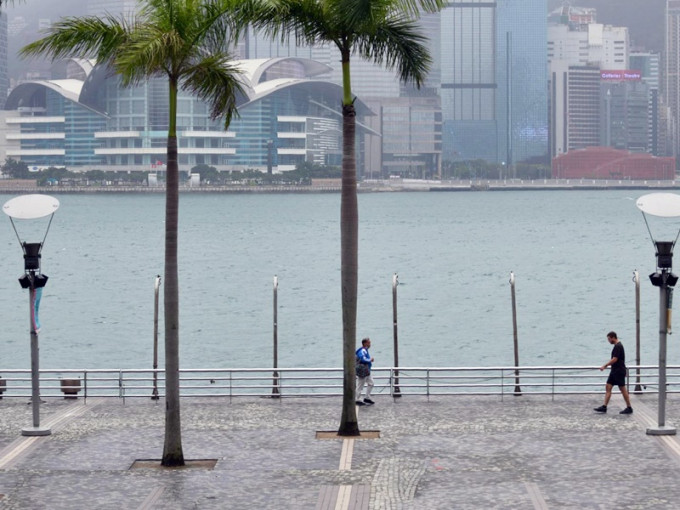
(665, 205)
(31, 207)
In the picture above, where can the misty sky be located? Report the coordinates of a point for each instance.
(643, 17)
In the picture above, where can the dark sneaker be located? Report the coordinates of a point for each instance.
(602, 409)
(627, 410)
(359, 403)
(368, 401)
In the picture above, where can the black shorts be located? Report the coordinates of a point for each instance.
(617, 378)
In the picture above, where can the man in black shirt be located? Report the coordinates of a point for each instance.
(617, 375)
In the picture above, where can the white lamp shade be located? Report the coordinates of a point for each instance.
(30, 207)
(666, 205)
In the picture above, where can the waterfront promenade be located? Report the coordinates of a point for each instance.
(528, 452)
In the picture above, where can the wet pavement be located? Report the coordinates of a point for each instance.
(528, 452)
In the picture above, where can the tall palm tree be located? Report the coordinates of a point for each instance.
(382, 31)
(185, 42)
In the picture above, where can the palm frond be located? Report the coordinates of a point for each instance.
(217, 82)
(397, 43)
(415, 7)
(221, 24)
(81, 37)
(309, 21)
(149, 52)
(356, 15)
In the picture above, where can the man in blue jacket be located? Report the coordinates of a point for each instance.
(364, 363)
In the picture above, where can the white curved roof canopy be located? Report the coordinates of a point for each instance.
(70, 89)
(254, 69)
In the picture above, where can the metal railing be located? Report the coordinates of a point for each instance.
(327, 382)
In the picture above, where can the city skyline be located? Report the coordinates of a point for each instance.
(490, 74)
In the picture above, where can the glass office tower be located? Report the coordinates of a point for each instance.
(468, 80)
(522, 77)
(4, 73)
(494, 80)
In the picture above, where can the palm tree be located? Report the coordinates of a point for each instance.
(382, 31)
(185, 42)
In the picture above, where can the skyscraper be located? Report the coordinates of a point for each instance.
(493, 80)
(468, 80)
(672, 67)
(4, 74)
(522, 74)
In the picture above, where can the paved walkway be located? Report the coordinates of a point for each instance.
(527, 452)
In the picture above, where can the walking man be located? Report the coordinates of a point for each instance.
(617, 375)
(364, 362)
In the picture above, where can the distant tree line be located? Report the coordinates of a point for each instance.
(302, 175)
(480, 169)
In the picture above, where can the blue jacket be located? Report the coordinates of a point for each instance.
(364, 357)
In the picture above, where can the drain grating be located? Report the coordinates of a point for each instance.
(188, 464)
(332, 434)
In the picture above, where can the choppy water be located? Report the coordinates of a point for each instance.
(573, 254)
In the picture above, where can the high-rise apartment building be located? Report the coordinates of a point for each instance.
(574, 107)
(624, 110)
(589, 44)
(649, 66)
(580, 108)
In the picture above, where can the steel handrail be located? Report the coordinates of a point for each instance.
(309, 382)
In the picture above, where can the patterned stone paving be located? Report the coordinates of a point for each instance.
(527, 452)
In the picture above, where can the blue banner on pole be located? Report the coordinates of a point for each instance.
(36, 308)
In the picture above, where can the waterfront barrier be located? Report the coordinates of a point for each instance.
(327, 382)
(366, 185)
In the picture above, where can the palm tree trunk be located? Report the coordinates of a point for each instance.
(172, 448)
(349, 248)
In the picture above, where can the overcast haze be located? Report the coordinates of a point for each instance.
(644, 18)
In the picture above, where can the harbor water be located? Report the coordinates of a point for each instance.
(573, 254)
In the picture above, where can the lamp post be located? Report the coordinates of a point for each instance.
(665, 205)
(31, 207)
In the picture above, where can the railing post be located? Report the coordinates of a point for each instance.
(157, 285)
(121, 392)
(395, 283)
(427, 378)
(518, 390)
(85, 385)
(275, 385)
(636, 279)
(553, 385)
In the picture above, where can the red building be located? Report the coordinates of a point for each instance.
(609, 163)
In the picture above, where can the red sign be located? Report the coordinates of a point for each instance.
(621, 75)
